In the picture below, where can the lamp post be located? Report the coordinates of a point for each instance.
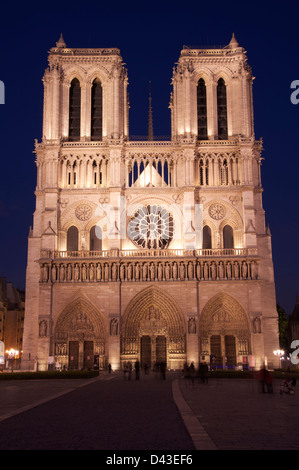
(280, 353)
(12, 354)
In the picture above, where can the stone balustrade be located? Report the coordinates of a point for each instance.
(150, 253)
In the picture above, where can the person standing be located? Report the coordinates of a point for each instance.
(137, 370)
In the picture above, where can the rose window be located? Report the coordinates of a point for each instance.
(151, 227)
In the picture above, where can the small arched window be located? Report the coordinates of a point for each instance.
(222, 109)
(206, 238)
(96, 110)
(72, 239)
(202, 129)
(228, 237)
(224, 172)
(75, 110)
(95, 238)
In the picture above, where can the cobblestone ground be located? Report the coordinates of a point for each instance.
(103, 415)
(110, 413)
(237, 416)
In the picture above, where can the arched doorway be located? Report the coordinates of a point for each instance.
(79, 337)
(153, 330)
(224, 332)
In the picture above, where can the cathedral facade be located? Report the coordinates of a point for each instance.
(155, 250)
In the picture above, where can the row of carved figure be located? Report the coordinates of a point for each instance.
(176, 345)
(149, 271)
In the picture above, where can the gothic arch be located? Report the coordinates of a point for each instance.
(80, 333)
(235, 318)
(80, 316)
(153, 297)
(75, 72)
(153, 313)
(205, 73)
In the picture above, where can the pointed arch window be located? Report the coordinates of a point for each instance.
(202, 128)
(206, 238)
(222, 109)
(75, 110)
(95, 238)
(96, 110)
(228, 237)
(224, 172)
(72, 239)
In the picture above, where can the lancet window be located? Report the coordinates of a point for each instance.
(83, 172)
(206, 238)
(228, 237)
(202, 128)
(72, 239)
(203, 172)
(218, 169)
(222, 109)
(96, 110)
(74, 110)
(95, 238)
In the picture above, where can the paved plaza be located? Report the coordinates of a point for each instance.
(110, 413)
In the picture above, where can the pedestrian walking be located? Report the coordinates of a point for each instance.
(262, 379)
(269, 381)
(137, 370)
(192, 373)
(163, 370)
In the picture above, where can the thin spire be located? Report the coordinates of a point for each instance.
(150, 116)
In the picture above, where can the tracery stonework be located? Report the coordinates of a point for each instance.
(155, 250)
(217, 211)
(83, 212)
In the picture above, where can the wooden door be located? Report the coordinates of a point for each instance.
(230, 350)
(74, 355)
(146, 351)
(88, 355)
(161, 349)
(216, 350)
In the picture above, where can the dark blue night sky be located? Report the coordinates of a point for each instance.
(150, 36)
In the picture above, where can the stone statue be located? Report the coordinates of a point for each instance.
(167, 272)
(114, 272)
(191, 326)
(114, 327)
(43, 328)
(144, 272)
(99, 272)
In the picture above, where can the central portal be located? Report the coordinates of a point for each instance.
(153, 330)
(153, 350)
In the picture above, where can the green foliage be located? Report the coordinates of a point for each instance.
(282, 326)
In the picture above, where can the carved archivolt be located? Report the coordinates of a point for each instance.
(153, 312)
(223, 313)
(79, 318)
(221, 211)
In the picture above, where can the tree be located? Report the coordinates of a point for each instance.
(282, 326)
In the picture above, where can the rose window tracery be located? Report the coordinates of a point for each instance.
(151, 227)
(217, 211)
(83, 212)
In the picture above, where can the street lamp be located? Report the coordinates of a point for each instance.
(278, 352)
(12, 354)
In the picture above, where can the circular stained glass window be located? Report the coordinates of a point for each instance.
(151, 227)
